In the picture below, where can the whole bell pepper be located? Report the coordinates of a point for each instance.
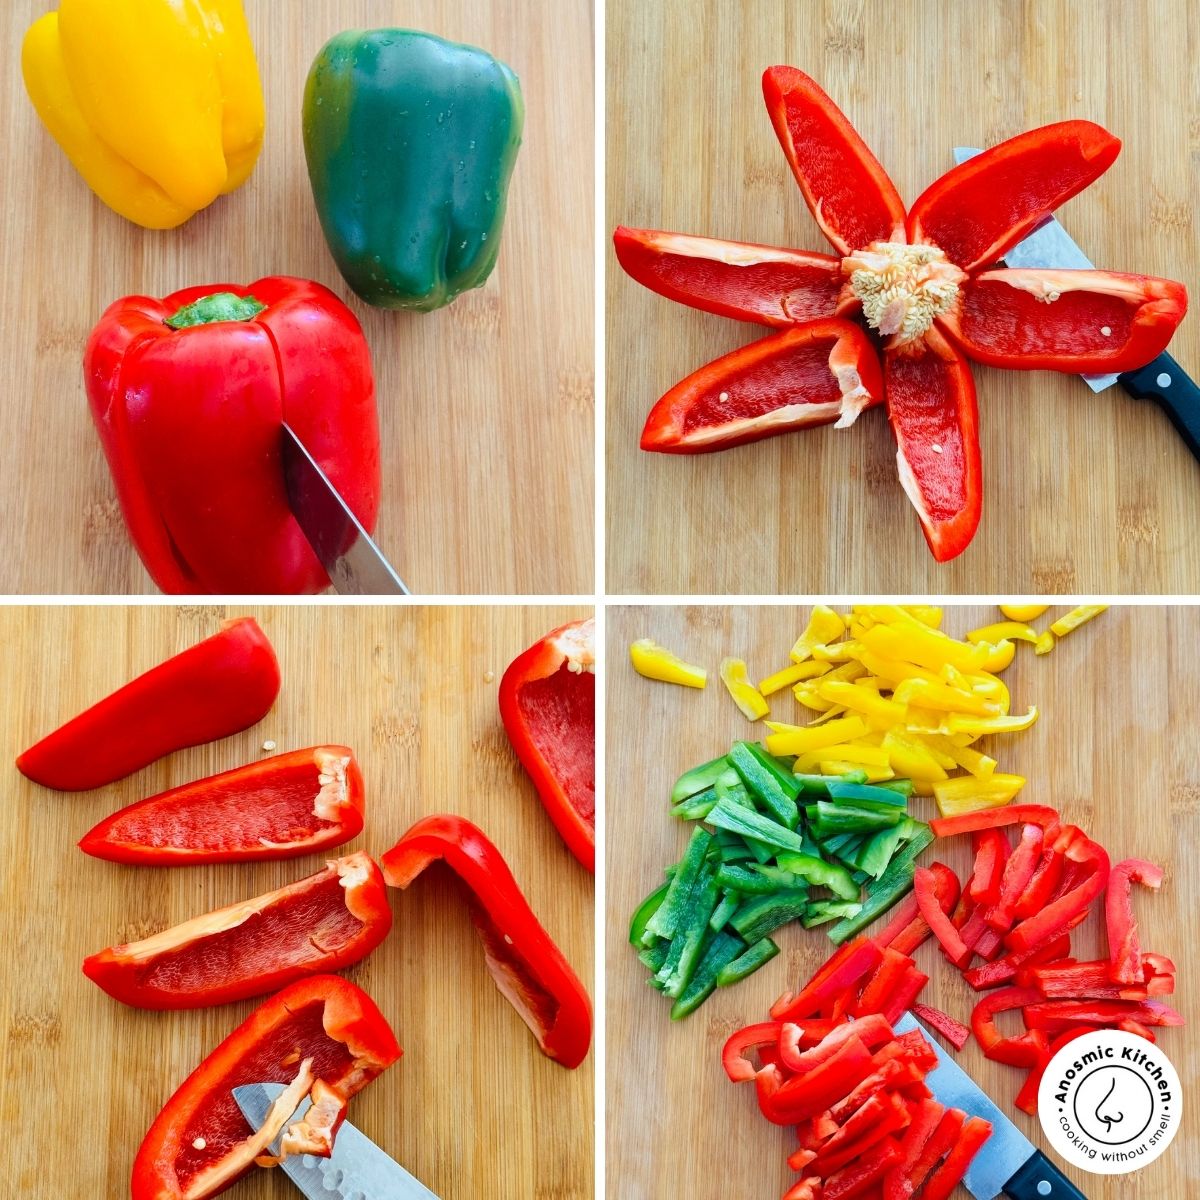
(189, 394)
(410, 143)
(158, 105)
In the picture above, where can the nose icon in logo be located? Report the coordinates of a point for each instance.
(1108, 1119)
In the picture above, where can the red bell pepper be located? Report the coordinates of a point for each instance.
(983, 1024)
(855, 1179)
(925, 1116)
(844, 970)
(548, 706)
(1057, 916)
(993, 974)
(318, 924)
(907, 928)
(323, 1032)
(1045, 884)
(880, 1117)
(281, 807)
(896, 1074)
(812, 374)
(733, 1056)
(1018, 871)
(975, 1132)
(924, 884)
(814, 1091)
(1055, 1016)
(218, 687)
(188, 395)
(998, 818)
(991, 854)
(528, 967)
(955, 1032)
(1124, 949)
(873, 1031)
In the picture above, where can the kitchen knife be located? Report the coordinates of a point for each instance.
(354, 564)
(356, 1170)
(1163, 379)
(1008, 1164)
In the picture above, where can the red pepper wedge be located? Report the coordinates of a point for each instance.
(528, 967)
(935, 421)
(986, 205)
(189, 419)
(925, 885)
(991, 854)
(548, 705)
(975, 1132)
(1058, 915)
(993, 974)
(217, 687)
(1058, 320)
(316, 925)
(1055, 1016)
(844, 970)
(764, 284)
(280, 807)
(881, 1116)
(925, 1116)
(1125, 952)
(872, 1030)
(1045, 884)
(855, 1178)
(955, 1032)
(1018, 871)
(1070, 980)
(847, 191)
(200, 1143)
(813, 374)
(941, 1143)
(998, 818)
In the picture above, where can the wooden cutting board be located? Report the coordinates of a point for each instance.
(1083, 493)
(473, 1108)
(485, 407)
(1114, 751)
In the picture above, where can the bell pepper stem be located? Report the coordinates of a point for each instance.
(217, 306)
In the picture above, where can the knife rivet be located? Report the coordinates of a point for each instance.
(1164, 380)
(1044, 1188)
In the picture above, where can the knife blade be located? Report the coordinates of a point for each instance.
(357, 1169)
(354, 564)
(1162, 380)
(1009, 1163)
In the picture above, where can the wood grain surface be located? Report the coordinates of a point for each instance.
(1083, 493)
(486, 407)
(1114, 751)
(473, 1108)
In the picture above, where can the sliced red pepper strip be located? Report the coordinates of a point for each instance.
(548, 706)
(945, 1179)
(935, 421)
(926, 1115)
(907, 990)
(200, 1142)
(983, 1017)
(528, 967)
(904, 916)
(1044, 885)
(799, 1159)
(907, 929)
(816, 1131)
(280, 807)
(873, 1031)
(924, 884)
(896, 1074)
(1057, 916)
(843, 971)
(848, 193)
(318, 924)
(1054, 1016)
(748, 282)
(1083, 981)
(892, 971)
(1079, 321)
(212, 689)
(1018, 871)
(733, 1056)
(1129, 1025)
(1125, 951)
(881, 1116)
(991, 853)
(938, 1146)
(993, 974)
(955, 1032)
(858, 1176)
(813, 1092)
(986, 205)
(997, 818)
(811, 374)
(806, 1189)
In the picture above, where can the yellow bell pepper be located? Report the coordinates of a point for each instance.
(978, 725)
(908, 758)
(1075, 618)
(974, 761)
(927, 614)
(790, 675)
(879, 711)
(1003, 629)
(1001, 656)
(815, 737)
(943, 698)
(1044, 644)
(892, 671)
(1023, 612)
(966, 794)
(157, 104)
(824, 626)
(914, 642)
(655, 662)
(745, 694)
(857, 753)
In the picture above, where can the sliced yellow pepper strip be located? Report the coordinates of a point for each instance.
(892, 670)
(789, 675)
(824, 626)
(979, 725)
(1001, 656)
(927, 614)
(917, 643)
(829, 714)
(944, 698)
(846, 729)
(867, 756)
(745, 694)
(1044, 644)
(909, 758)
(881, 712)
(837, 652)
(1075, 618)
(1001, 630)
(929, 743)
(655, 662)
(978, 764)
(966, 794)
(1023, 612)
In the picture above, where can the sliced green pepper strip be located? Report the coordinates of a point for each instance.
(764, 785)
(666, 920)
(895, 882)
(721, 950)
(839, 789)
(822, 911)
(698, 778)
(695, 808)
(692, 933)
(757, 917)
(747, 962)
(745, 881)
(645, 910)
(759, 851)
(878, 849)
(754, 825)
(653, 957)
(904, 787)
(724, 911)
(736, 851)
(820, 873)
(828, 818)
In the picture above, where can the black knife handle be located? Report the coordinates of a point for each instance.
(1167, 382)
(1040, 1179)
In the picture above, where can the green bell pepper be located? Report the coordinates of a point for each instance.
(410, 142)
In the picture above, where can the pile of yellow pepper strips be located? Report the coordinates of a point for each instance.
(896, 696)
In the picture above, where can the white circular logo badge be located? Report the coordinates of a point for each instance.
(1110, 1102)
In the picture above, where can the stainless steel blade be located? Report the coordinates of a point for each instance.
(1005, 1151)
(1049, 245)
(356, 1170)
(354, 564)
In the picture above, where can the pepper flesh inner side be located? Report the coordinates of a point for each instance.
(560, 714)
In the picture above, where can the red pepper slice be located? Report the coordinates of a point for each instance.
(1046, 881)
(318, 924)
(939, 1145)
(924, 884)
(945, 1179)
(805, 1189)
(1129, 1025)
(548, 706)
(986, 205)
(1124, 949)
(189, 420)
(1084, 981)
(993, 974)
(858, 1176)
(219, 686)
(991, 854)
(1054, 1016)
(1048, 320)
(1018, 871)
(925, 1115)
(809, 375)
(997, 818)
(896, 1074)
(1057, 916)
(733, 1056)
(528, 967)
(955, 1032)
(891, 973)
(935, 421)
(748, 282)
(200, 1142)
(839, 975)
(907, 928)
(848, 193)
(280, 807)
(882, 1115)
(808, 1094)
(873, 1031)
(983, 1023)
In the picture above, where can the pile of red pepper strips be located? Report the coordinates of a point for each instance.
(321, 1035)
(925, 284)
